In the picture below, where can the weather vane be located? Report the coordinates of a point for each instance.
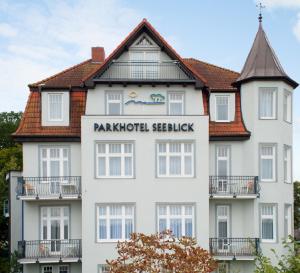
(260, 6)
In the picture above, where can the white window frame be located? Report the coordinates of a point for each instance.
(107, 155)
(226, 267)
(182, 217)
(288, 106)
(55, 268)
(61, 95)
(273, 218)
(103, 268)
(287, 164)
(6, 208)
(108, 101)
(274, 100)
(108, 217)
(170, 101)
(274, 161)
(223, 218)
(216, 107)
(288, 220)
(182, 155)
(62, 159)
(48, 219)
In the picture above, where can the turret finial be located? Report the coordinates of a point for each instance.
(260, 6)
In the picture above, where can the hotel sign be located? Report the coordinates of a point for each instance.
(143, 127)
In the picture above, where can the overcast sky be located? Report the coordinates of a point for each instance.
(42, 37)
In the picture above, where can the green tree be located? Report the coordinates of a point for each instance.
(10, 159)
(287, 263)
(297, 205)
(9, 122)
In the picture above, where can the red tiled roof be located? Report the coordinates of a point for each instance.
(70, 77)
(31, 121)
(217, 78)
(73, 78)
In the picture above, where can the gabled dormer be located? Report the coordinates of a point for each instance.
(145, 57)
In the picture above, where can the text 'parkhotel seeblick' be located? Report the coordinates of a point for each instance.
(143, 127)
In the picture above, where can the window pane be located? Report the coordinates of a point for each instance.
(175, 147)
(175, 226)
(267, 229)
(162, 165)
(55, 106)
(267, 169)
(176, 108)
(128, 228)
(101, 148)
(175, 165)
(114, 148)
(114, 166)
(222, 107)
(102, 229)
(188, 165)
(116, 229)
(102, 210)
(115, 210)
(128, 166)
(188, 227)
(267, 102)
(162, 210)
(101, 166)
(162, 225)
(222, 168)
(114, 108)
(175, 210)
(162, 147)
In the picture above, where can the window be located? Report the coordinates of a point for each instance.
(287, 164)
(267, 162)
(63, 269)
(55, 226)
(176, 103)
(223, 268)
(114, 160)
(267, 103)
(55, 269)
(178, 218)
(144, 64)
(223, 221)
(103, 268)
(114, 103)
(222, 108)
(55, 161)
(114, 222)
(175, 159)
(287, 106)
(55, 107)
(287, 221)
(268, 223)
(47, 269)
(5, 208)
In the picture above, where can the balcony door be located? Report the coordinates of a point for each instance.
(55, 229)
(144, 64)
(222, 165)
(55, 167)
(223, 227)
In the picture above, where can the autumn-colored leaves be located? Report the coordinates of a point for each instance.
(161, 253)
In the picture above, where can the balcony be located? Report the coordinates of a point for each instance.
(49, 251)
(234, 248)
(60, 187)
(246, 187)
(147, 71)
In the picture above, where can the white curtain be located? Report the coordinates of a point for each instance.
(55, 102)
(175, 165)
(266, 103)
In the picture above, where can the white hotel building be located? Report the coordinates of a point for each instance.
(144, 140)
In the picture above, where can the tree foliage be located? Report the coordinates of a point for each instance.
(287, 263)
(10, 159)
(297, 205)
(9, 122)
(161, 253)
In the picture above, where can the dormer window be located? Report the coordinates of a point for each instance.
(267, 102)
(55, 101)
(222, 108)
(55, 108)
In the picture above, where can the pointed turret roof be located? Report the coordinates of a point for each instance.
(262, 62)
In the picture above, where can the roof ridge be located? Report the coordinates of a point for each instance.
(217, 66)
(59, 73)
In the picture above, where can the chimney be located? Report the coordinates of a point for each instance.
(98, 54)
